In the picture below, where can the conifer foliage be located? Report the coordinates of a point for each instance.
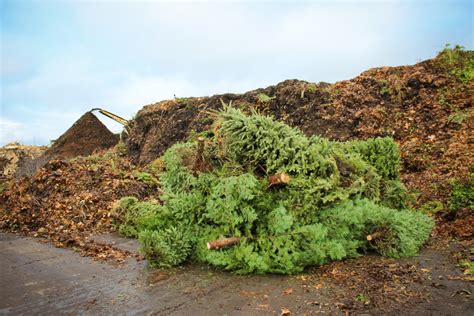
(334, 195)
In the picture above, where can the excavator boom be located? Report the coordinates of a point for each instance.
(113, 116)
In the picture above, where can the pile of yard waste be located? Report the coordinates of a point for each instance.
(298, 199)
(254, 195)
(69, 201)
(86, 135)
(427, 108)
(70, 188)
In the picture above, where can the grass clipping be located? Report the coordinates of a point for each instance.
(257, 196)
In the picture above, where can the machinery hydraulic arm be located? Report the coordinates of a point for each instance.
(113, 116)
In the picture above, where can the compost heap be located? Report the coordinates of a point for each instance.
(86, 136)
(277, 199)
(69, 201)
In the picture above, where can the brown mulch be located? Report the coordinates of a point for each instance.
(86, 136)
(67, 202)
(458, 225)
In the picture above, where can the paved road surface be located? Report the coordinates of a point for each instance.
(39, 279)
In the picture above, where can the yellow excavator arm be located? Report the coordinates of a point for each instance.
(113, 116)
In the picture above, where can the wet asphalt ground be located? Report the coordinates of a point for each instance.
(38, 279)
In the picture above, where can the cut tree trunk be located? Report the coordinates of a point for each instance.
(278, 178)
(200, 163)
(224, 242)
(374, 236)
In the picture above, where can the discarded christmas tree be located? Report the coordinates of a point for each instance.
(256, 196)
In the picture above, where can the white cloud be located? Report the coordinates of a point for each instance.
(232, 40)
(10, 131)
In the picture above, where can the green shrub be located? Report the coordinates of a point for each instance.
(432, 207)
(402, 232)
(395, 195)
(382, 153)
(134, 216)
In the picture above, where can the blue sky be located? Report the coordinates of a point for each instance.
(61, 58)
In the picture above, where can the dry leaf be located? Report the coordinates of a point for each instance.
(288, 291)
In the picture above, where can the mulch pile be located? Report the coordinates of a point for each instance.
(86, 136)
(68, 202)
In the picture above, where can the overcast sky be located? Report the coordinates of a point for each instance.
(59, 59)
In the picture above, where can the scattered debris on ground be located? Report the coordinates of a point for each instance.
(373, 282)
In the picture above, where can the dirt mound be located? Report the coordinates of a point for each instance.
(427, 108)
(85, 136)
(67, 201)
